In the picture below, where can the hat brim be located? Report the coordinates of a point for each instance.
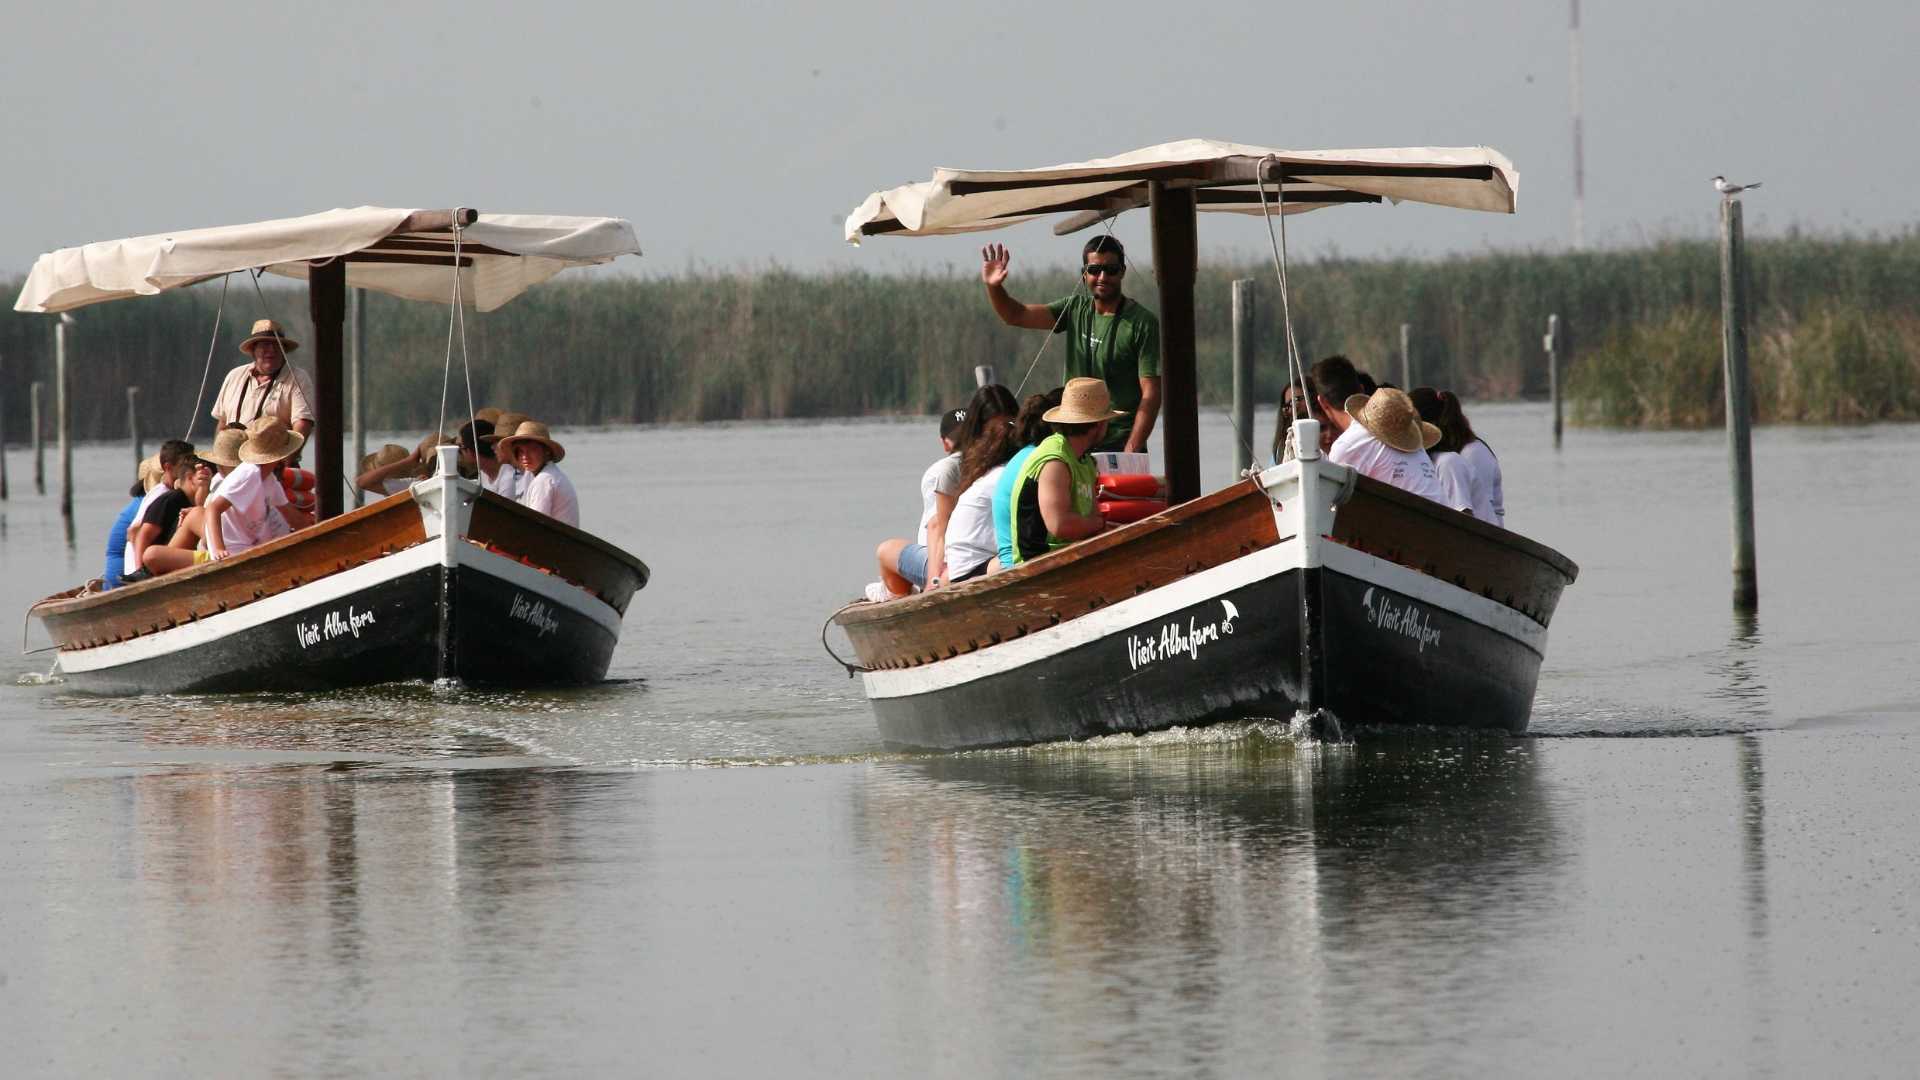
(287, 344)
(505, 446)
(1059, 415)
(295, 441)
(1403, 440)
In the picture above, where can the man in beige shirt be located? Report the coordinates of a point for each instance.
(269, 386)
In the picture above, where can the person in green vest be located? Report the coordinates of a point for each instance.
(1110, 337)
(1052, 500)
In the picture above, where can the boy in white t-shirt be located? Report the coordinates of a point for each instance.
(250, 506)
(904, 564)
(1388, 442)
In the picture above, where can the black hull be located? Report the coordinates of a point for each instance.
(390, 631)
(1281, 656)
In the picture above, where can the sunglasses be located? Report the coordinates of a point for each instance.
(1103, 269)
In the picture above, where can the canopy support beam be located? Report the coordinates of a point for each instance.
(1176, 256)
(327, 303)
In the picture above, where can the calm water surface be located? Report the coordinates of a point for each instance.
(709, 865)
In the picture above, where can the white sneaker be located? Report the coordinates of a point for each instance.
(877, 593)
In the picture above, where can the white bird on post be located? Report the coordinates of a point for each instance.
(1721, 185)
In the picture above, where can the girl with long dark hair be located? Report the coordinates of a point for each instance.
(968, 546)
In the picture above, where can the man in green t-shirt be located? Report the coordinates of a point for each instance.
(1109, 337)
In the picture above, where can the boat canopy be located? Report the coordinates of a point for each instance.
(1223, 175)
(402, 252)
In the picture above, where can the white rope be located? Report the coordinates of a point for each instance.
(456, 320)
(1296, 369)
(200, 398)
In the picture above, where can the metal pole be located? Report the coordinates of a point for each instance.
(63, 418)
(356, 363)
(39, 440)
(1552, 344)
(984, 375)
(1406, 356)
(1242, 374)
(1733, 330)
(133, 422)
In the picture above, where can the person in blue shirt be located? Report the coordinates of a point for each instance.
(1030, 430)
(117, 538)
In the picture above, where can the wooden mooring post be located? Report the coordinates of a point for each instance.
(63, 418)
(984, 375)
(1733, 334)
(39, 439)
(1553, 343)
(133, 423)
(1243, 348)
(3, 446)
(1406, 356)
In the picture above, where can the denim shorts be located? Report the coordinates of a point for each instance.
(913, 564)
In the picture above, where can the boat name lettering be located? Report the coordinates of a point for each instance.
(1406, 620)
(334, 624)
(1174, 640)
(535, 614)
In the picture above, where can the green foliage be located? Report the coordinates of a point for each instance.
(1833, 340)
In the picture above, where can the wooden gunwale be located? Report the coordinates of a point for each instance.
(575, 555)
(1234, 521)
(380, 528)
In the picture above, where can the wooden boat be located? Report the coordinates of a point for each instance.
(1307, 591)
(442, 581)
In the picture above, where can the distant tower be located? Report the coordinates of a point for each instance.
(1579, 154)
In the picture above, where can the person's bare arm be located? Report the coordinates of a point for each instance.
(216, 540)
(943, 505)
(993, 272)
(373, 481)
(146, 534)
(1144, 417)
(1056, 505)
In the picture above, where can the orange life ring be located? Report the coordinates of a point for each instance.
(1123, 511)
(1132, 485)
(299, 484)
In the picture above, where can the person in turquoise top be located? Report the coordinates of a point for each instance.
(1052, 500)
(1031, 429)
(1108, 336)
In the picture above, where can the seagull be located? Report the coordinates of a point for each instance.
(1720, 185)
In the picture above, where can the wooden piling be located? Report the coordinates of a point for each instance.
(1243, 348)
(133, 423)
(63, 418)
(3, 448)
(1733, 332)
(1406, 356)
(984, 375)
(39, 439)
(1552, 343)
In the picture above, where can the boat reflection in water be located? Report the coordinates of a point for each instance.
(1278, 899)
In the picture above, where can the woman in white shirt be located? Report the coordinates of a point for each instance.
(538, 457)
(971, 549)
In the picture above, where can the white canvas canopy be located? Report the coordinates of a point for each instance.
(387, 250)
(1223, 175)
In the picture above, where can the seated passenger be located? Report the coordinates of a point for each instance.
(1456, 476)
(1052, 499)
(1299, 404)
(968, 548)
(1029, 431)
(904, 564)
(389, 470)
(117, 535)
(477, 454)
(1388, 442)
(251, 507)
(153, 523)
(547, 489)
(508, 481)
(178, 551)
(1487, 492)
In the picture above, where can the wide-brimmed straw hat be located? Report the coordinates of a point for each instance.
(529, 431)
(150, 471)
(490, 414)
(423, 454)
(504, 425)
(383, 457)
(269, 439)
(268, 330)
(1389, 416)
(225, 452)
(1084, 401)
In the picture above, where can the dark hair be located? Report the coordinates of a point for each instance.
(137, 491)
(1455, 432)
(1367, 385)
(1292, 408)
(1384, 385)
(990, 433)
(951, 422)
(1028, 427)
(471, 433)
(173, 452)
(1104, 243)
(1073, 431)
(1335, 379)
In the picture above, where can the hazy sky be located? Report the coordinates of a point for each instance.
(737, 135)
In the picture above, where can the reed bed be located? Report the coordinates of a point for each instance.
(1835, 338)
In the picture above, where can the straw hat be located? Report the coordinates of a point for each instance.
(268, 330)
(423, 455)
(225, 452)
(1389, 415)
(490, 414)
(383, 457)
(269, 439)
(504, 425)
(149, 471)
(530, 431)
(1084, 401)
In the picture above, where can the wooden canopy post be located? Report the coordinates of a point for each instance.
(327, 302)
(1176, 254)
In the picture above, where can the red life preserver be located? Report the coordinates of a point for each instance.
(1123, 511)
(299, 484)
(1132, 485)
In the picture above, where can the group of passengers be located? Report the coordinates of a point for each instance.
(189, 506)
(1419, 441)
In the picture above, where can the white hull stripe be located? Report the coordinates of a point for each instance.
(1196, 589)
(332, 588)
